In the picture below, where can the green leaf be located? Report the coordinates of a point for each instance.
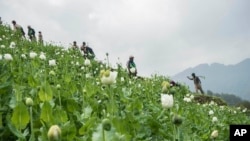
(67, 78)
(109, 135)
(46, 114)
(15, 131)
(20, 117)
(87, 125)
(68, 131)
(60, 115)
(72, 105)
(45, 93)
(31, 81)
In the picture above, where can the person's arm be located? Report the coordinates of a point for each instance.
(190, 78)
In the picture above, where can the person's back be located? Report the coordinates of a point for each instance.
(197, 80)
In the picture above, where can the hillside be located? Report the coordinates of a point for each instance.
(49, 93)
(219, 78)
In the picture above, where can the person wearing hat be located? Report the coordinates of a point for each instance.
(132, 70)
(197, 83)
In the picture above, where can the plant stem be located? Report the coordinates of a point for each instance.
(31, 125)
(103, 134)
(60, 99)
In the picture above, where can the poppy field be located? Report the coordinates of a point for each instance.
(50, 93)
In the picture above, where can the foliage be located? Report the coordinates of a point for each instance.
(70, 96)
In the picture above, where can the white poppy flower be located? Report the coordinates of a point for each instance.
(23, 56)
(214, 119)
(192, 97)
(214, 134)
(167, 101)
(110, 78)
(244, 110)
(211, 112)
(87, 62)
(7, 57)
(42, 56)
(187, 99)
(52, 62)
(33, 54)
(2, 46)
(12, 45)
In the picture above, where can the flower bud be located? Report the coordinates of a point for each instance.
(58, 86)
(29, 101)
(106, 124)
(54, 133)
(177, 120)
(214, 134)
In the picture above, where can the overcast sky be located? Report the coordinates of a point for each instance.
(165, 36)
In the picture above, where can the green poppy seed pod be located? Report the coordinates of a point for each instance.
(58, 86)
(107, 73)
(106, 124)
(164, 90)
(177, 120)
(54, 133)
(29, 101)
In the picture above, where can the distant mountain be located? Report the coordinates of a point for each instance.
(220, 78)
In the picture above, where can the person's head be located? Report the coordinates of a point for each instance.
(29, 26)
(14, 22)
(74, 43)
(40, 32)
(83, 43)
(193, 74)
(131, 58)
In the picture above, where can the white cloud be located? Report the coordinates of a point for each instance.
(165, 36)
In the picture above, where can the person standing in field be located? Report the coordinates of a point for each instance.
(197, 83)
(132, 70)
(40, 38)
(75, 46)
(31, 33)
(18, 29)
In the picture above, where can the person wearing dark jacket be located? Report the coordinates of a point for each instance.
(131, 66)
(31, 33)
(197, 82)
(88, 51)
